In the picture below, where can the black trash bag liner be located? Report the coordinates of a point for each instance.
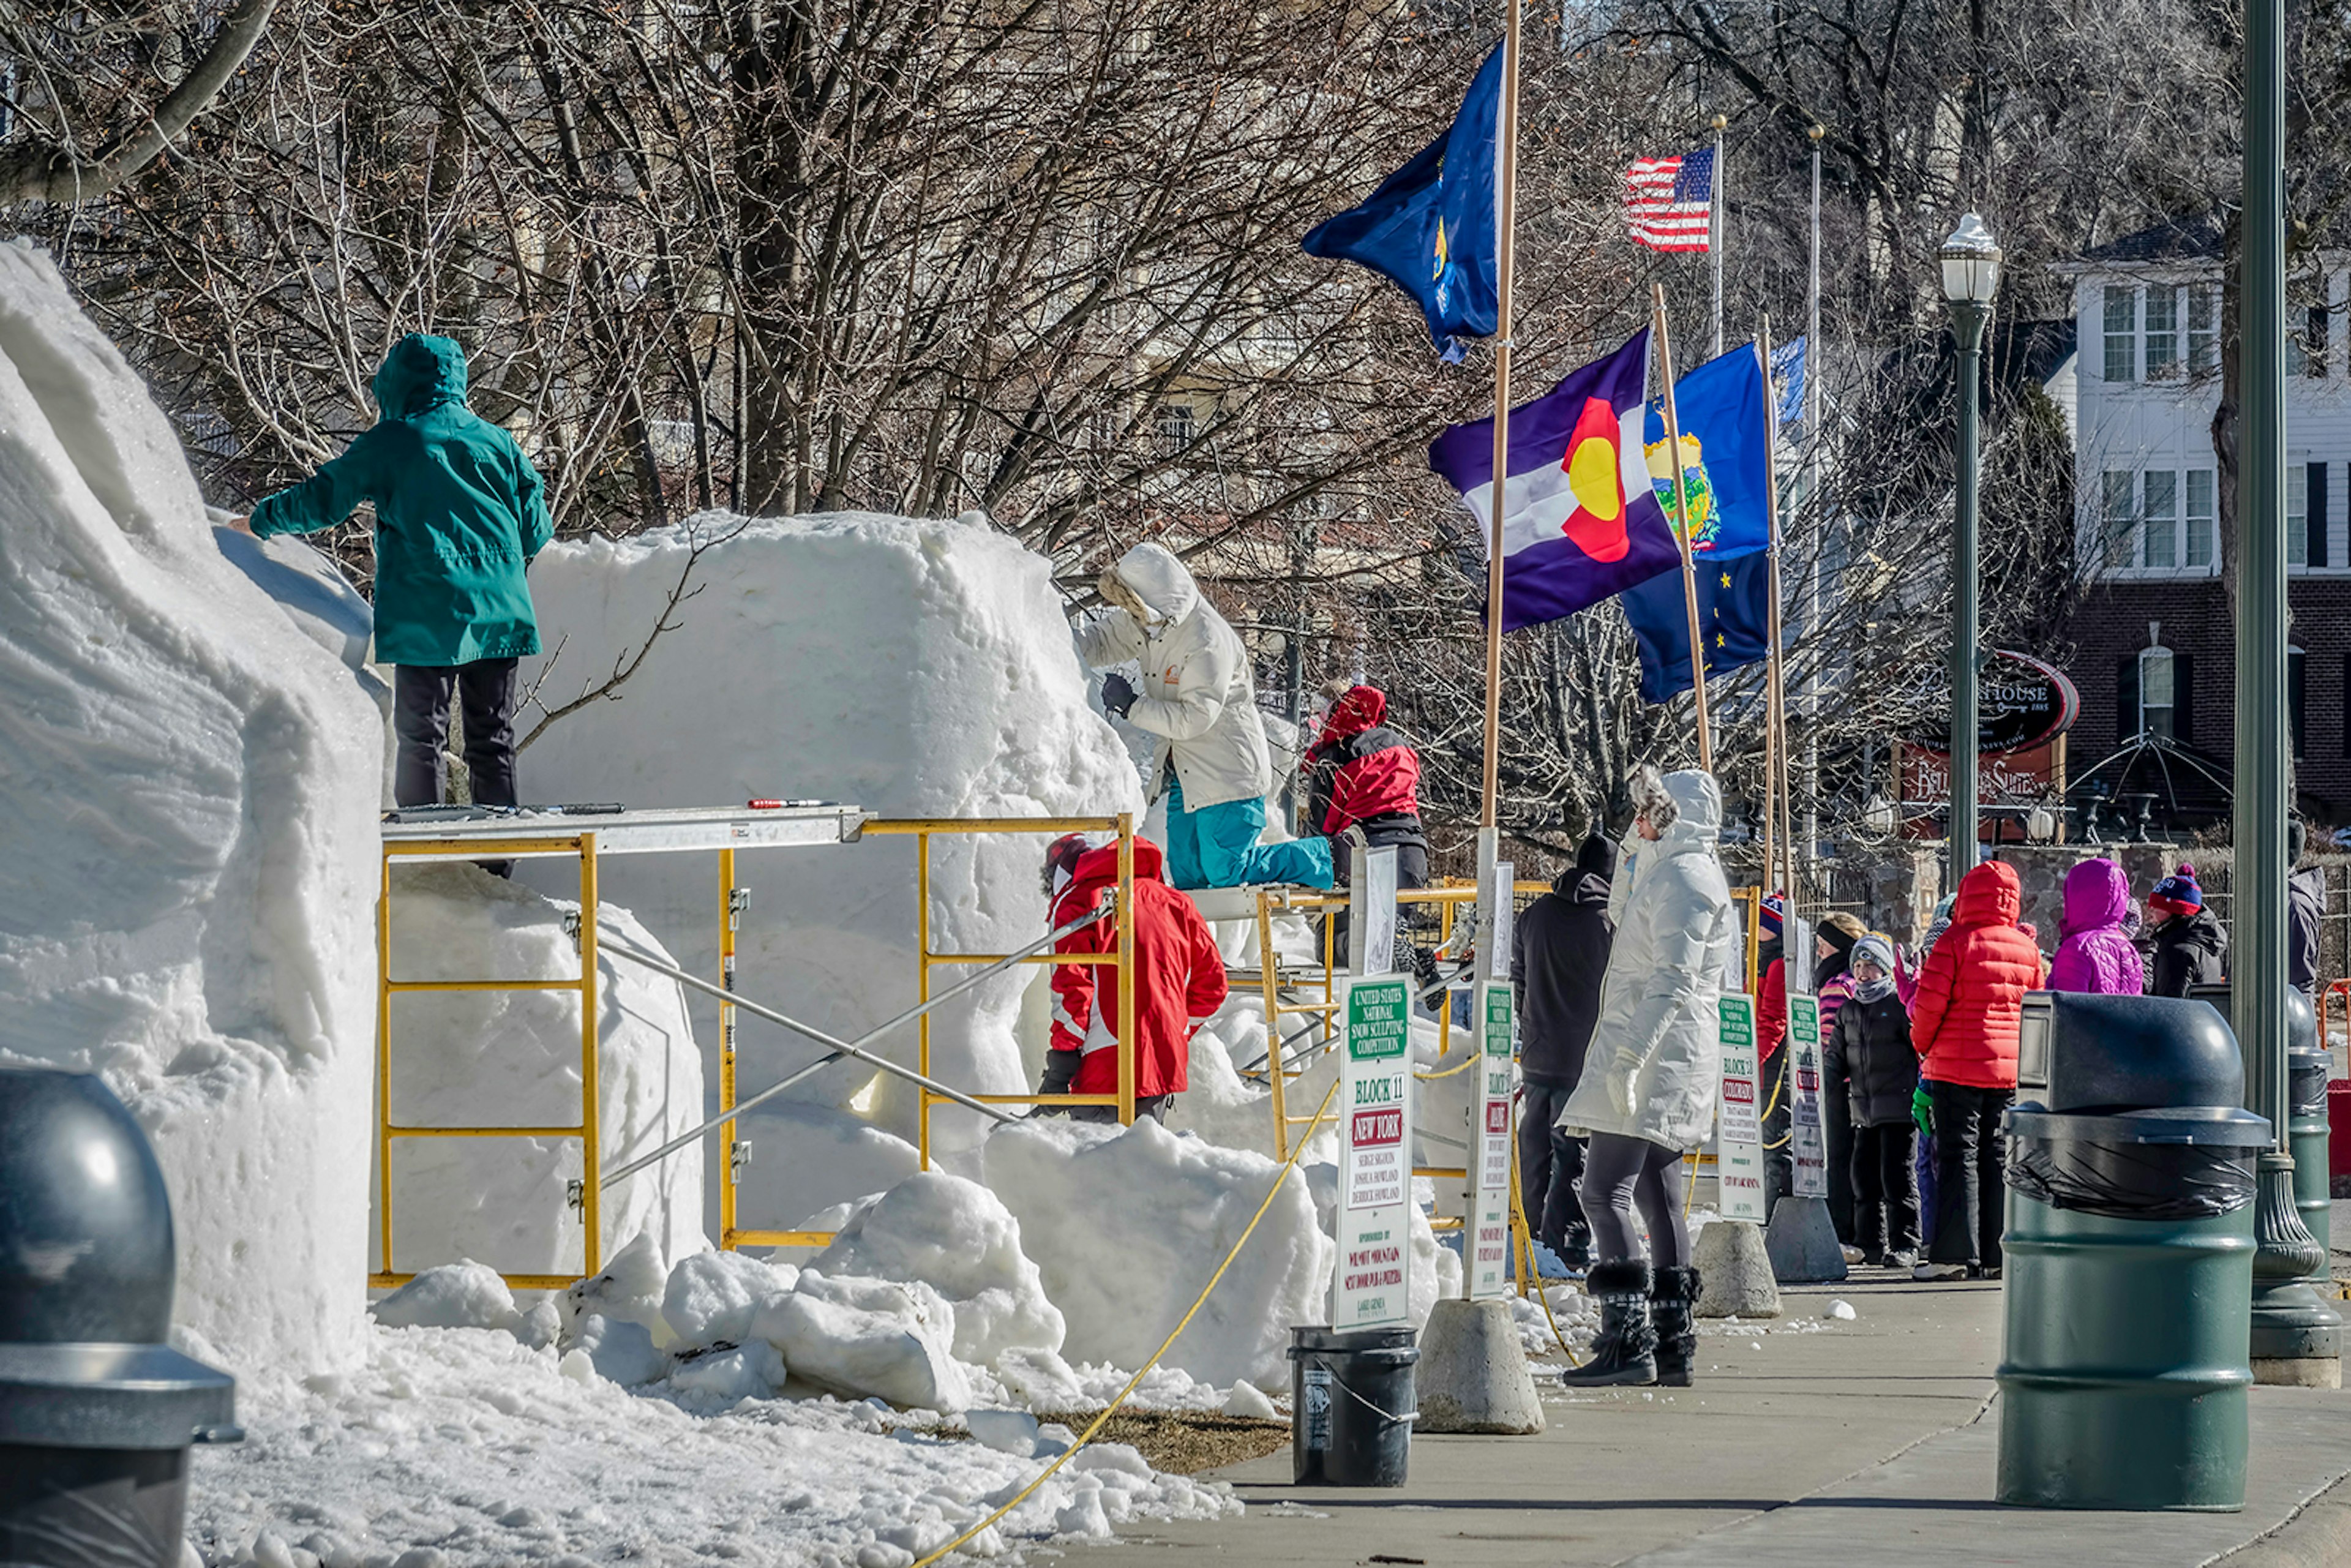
(2131, 1180)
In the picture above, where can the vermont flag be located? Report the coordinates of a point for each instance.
(1726, 436)
(1430, 227)
(1580, 520)
(1734, 614)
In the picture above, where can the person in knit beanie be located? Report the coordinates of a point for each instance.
(2192, 947)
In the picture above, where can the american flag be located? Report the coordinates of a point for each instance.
(1669, 201)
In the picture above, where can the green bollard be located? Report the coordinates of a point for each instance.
(2307, 1129)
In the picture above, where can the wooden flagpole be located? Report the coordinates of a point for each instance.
(1775, 751)
(1506, 181)
(1681, 532)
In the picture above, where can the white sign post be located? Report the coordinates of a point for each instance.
(1370, 1284)
(1807, 1142)
(1489, 1167)
(1739, 1134)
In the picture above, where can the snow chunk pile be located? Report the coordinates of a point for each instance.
(1126, 1224)
(918, 669)
(956, 1237)
(512, 1058)
(479, 1451)
(187, 867)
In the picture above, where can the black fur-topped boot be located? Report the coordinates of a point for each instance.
(1625, 1352)
(1670, 1304)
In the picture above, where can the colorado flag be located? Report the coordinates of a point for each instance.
(1581, 520)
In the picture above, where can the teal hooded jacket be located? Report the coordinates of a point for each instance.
(459, 513)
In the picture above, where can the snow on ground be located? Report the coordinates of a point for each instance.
(188, 863)
(919, 669)
(469, 1448)
(512, 1058)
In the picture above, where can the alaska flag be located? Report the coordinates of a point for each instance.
(1726, 438)
(1429, 228)
(1582, 520)
(1734, 612)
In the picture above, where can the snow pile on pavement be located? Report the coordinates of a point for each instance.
(1126, 1224)
(512, 1058)
(187, 858)
(957, 1237)
(472, 1449)
(919, 669)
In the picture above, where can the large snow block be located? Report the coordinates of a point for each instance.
(187, 855)
(957, 1237)
(918, 669)
(1126, 1224)
(488, 1058)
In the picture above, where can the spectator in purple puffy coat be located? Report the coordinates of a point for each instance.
(2096, 954)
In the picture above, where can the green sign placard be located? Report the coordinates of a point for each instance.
(1379, 1018)
(1498, 1021)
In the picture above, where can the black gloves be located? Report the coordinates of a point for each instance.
(1118, 694)
(1060, 1072)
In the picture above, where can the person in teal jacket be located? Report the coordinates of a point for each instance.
(459, 515)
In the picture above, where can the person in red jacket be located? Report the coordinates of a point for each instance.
(1365, 775)
(1964, 1025)
(1179, 981)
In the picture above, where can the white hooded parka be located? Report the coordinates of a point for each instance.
(1655, 1062)
(1196, 693)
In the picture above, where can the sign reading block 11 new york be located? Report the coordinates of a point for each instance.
(1371, 1283)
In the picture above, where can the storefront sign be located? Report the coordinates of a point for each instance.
(2020, 702)
(1370, 1282)
(1739, 1133)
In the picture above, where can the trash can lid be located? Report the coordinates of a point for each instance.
(1322, 1339)
(110, 1396)
(2222, 1127)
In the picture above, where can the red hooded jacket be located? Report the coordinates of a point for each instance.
(1970, 1000)
(1378, 774)
(1179, 977)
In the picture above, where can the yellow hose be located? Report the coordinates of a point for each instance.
(1433, 1077)
(1526, 1248)
(1096, 1425)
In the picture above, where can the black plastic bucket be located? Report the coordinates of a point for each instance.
(92, 1508)
(1351, 1406)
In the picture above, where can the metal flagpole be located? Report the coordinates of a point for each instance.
(1681, 530)
(1719, 227)
(1505, 140)
(1820, 519)
(1775, 742)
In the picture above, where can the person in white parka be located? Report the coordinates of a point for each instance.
(1199, 699)
(1650, 1082)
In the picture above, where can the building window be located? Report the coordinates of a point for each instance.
(2116, 518)
(1176, 427)
(2122, 330)
(2160, 519)
(2293, 668)
(2158, 705)
(2162, 334)
(2204, 330)
(2201, 524)
(2305, 351)
(2298, 514)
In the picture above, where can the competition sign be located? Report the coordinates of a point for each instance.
(1807, 1144)
(1490, 1167)
(1739, 1134)
(1370, 1283)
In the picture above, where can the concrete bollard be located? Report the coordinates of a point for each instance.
(1734, 1271)
(1802, 1242)
(1473, 1373)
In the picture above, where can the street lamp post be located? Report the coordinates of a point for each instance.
(1970, 277)
(2295, 1334)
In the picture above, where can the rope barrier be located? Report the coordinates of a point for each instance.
(1433, 1077)
(1185, 1321)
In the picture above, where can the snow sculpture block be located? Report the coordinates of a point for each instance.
(957, 1237)
(868, 1337)
(919, 669)
(187, 856)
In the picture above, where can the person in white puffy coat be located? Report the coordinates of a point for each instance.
(1199, 699)
(1651, 1079)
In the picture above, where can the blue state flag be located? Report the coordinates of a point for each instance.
(1792, 365)
(1734, 615)
(1726, 437)
(1429, 228)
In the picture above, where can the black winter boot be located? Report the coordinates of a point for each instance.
(1625, 1352)
(1670, 1304)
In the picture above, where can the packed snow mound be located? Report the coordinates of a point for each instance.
(712, 1297)
(1127, 1224)
(462, 1295)
(865, 1337)
(512, 1058)
(187, 860)
(957, 1237)
(316, 597)
(805, 1159)
(916, 668)
(634, 1288)
(473, 1451)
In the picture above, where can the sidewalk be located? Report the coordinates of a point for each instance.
(1810, 1442)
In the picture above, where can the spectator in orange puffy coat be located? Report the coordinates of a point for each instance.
(1179, 981)
(1964, 1025)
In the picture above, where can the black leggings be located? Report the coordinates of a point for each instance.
(1620, 1171)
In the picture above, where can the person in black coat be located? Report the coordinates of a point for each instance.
(1559, 955)
(2192, 947)
(1869, 1061)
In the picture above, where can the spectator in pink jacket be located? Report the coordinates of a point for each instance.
(2095, 952)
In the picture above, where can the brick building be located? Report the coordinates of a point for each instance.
(2154, 637)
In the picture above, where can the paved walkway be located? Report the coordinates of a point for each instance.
(1808, 1442)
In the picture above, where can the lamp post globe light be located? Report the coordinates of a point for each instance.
(1970, 258)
